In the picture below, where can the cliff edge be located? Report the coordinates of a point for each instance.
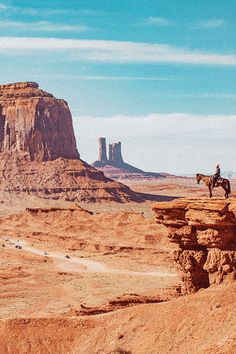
(205, 231)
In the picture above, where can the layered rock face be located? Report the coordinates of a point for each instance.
(34, 124)
(206, 233)
(71, 180)
(38, 153)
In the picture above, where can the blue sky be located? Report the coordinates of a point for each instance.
(166, 66)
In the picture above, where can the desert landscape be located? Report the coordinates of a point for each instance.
(92, 265)
(117, 177)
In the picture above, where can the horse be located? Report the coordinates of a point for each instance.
(221, 182)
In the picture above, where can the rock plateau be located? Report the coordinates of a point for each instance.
(205, 231)
(38, 153)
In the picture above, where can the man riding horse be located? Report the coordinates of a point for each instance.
(216, 176)
(215, 181)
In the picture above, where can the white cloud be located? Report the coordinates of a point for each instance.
(159, 21)
(116, 51)
(45, 12)
(202, 95)
(39, 12)
(66, 11)
(41, 26)
(101, 78)
(211, 23)
(156, 124)
(175, 142)
(3, 7)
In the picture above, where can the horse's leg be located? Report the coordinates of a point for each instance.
(210, 191)
(226, 192)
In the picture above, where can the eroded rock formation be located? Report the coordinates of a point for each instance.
(38, 153)
(102, 158)
(206, 234)
(34, 124)
(115, 156)
(115, 167)
(72, 180)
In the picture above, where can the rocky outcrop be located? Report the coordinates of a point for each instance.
(114, 167)
(115, 156)
(34, 124)
(102, 158)
(71, 180)
(38, 153)
(206, 234)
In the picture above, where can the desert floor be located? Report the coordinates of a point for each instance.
(70, 263)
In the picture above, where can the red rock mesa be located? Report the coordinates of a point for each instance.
(38, 149)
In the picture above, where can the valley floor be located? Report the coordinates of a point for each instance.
(70, 265)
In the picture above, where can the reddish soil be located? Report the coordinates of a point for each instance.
(117, 292)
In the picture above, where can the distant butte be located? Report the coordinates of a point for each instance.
(38, 153)
(115, 167)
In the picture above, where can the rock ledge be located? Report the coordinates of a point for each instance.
(206, 234)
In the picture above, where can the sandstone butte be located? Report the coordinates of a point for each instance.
(38, 153)
(206, 234)
(113, 166)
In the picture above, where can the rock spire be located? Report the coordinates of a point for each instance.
(115, 156)
(115, 167)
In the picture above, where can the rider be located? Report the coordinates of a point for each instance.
(216, 175)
